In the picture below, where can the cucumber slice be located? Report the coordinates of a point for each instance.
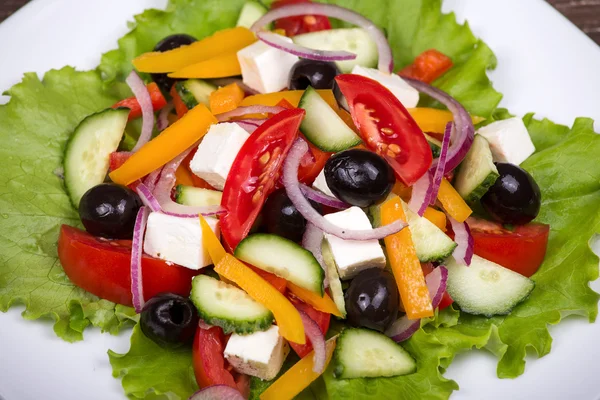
(322, 126)
(88, 151)
(251, 12)
(194, 92)
(224, 305)
(283, 258)
(197, 197)
(335, 284)
(477, 172)
(434, 144)
(363, 353)
(354, 40)
(486, 288)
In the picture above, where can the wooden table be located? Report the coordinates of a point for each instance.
(584, 13)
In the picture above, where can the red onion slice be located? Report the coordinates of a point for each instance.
(162, 122)
(464, 131)
(314, 334)
(241, 111)
(322, 198)
(404, 328)
(441, 165)
(137, 287)
(463, 253)
(217, 392)
(312, 240)
(421, 192)
(386, 60)
(140, 91)
(278, 42)
(250, 124)
(152, 178)
(148, 198)
(292, 187)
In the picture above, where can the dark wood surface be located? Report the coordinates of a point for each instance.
(584, 13)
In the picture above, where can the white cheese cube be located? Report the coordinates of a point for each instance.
(509, 140)
(408, 95)
(265, 68)
(320, 184)
(216, 153)
(259, 354)
(353, 256)
(178, 240)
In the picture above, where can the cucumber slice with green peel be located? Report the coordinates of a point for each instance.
(335, 284)
(353, 40)
(229, 307)
(363, 353)
(284, 258)
(251, 12)
(87, 153)
(322, 126)
(477, 173)
(197, 197)
(486, 288)
(194, 92)
(434, 144)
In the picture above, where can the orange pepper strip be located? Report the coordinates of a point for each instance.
(169, 144)
(287, 317)
(405, 264)
(453, 203)
(324, 304)
(220, 66)
(225, 41)
(402, 190)
(434, 120)
(292, 96)
(183, 176)
(211, 242)
(437, 217)
(226, 99)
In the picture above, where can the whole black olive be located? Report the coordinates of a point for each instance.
(169, 319)
(282, 218)
(169, 43)
(318, 74)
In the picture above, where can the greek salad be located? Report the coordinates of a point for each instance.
(289, 201)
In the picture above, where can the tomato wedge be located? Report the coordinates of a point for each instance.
(427, 67)
(210, 367)
(102, 267)
(386, 127)
(302, 24)
(254, 173)
(322, 319)
(158, 102)
(446, 299)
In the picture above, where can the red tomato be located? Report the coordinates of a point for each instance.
(158, 102)
(322, 319)
(297, 25)
(446, 300)
(102, 267)
(428, 66)
(210, 367)
(180, 106)
(522, 249)
(254, 173)
(278, 283)
(386, 127)
(118, 158)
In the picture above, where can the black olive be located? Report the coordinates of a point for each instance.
(514, 198)
(359, 177)
(109, 210)
(282, 218)
(372, 299)
(169, 43)
(318, 74)
(169, 319)
(339, 97)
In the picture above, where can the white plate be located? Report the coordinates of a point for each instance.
(544, 64)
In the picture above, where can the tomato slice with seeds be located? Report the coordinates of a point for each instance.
(301, 24)
(386, 127)
(254, 173)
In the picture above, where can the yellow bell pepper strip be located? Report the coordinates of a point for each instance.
(324, 304)
(169, 144)
(435, 120)
(452, 202)
(220, 66)
(211, 242)
(297, 378)
(292, 96)
(438, 218)
(225, 41)
(287, 317)
(405, 264)
(226, 98)
(402, 190)
(183, 176)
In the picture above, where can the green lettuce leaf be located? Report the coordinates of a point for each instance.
(34, 127)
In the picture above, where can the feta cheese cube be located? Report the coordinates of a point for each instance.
(509, 140)
(178, 240)
(320, 184)
(265, 68)
(353, 256)
(259, 354)
(408, 95)
(216, 153)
